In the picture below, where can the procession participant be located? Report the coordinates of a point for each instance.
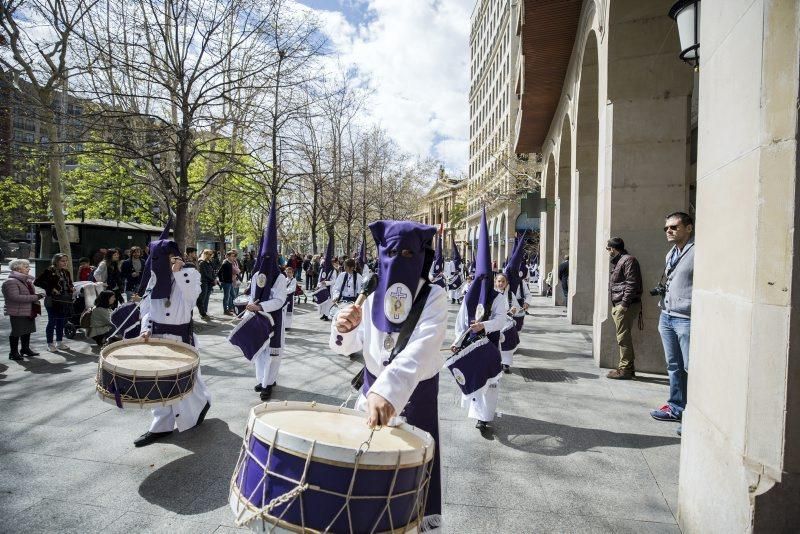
(291, 287)
(347, 284)
(327, 274)
(268, 295)
(167, 313)
(408, 383)
(483, 310)
(452, 271)
(148, 261)
(437, 269)
(518, 290)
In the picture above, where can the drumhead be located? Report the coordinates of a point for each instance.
(338, 433)
(149, 358)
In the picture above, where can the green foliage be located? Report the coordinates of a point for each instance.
(458, 213)
(25, 196)
(104, 187)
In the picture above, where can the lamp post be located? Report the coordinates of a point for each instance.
(686, 13)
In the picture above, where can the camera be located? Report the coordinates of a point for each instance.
(659, 290)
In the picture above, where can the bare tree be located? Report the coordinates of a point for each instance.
(38, 33)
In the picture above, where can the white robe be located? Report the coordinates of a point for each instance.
(339, 289)
(267, 361)
(420, 360)
(449, 272)
(185, 290)
(483, 403)
(291, 287)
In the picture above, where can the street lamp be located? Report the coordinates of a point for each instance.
(686, 13)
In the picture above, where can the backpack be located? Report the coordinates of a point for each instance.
(86, 318)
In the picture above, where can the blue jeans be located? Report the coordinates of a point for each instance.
(675, 337)
(227, 296)
(55, 322)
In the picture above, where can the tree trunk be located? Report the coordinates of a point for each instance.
(54, 177)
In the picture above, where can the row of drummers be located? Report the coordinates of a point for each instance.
(398, 322)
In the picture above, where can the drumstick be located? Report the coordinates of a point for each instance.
(368, 286)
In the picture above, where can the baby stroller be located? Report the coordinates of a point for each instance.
(299, 293)
(83, 299)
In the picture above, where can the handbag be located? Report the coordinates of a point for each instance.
(62, 304)
(405, 333)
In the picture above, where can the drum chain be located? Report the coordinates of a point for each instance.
(364, 447)
(286, 497)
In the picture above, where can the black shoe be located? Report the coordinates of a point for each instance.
(202, 416)
(481, 425)
(27, 351)
(266, 393)
(15, 356)
(258, 388)
(150, 437)
(506, 369)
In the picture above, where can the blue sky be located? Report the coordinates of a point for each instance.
(414, 55)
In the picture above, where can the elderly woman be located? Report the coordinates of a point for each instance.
(57, 284)
(22, 306)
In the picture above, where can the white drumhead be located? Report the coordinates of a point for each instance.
(338, 432)
(241, 300)
(151, 358)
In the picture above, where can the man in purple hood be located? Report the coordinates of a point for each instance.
(408, 385)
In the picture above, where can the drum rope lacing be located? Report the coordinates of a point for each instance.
(290, 496)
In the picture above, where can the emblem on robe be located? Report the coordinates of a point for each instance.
(261, 281)
(479, 312)
(397, 303)
(459, 376)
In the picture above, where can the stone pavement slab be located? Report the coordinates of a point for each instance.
(571, 451)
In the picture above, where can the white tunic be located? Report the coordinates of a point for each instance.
(483, 403)
(267, 361)
(421, 359)
(339, 289)
(183, 296)
(324, 281)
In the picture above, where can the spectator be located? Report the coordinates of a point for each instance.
(312, 275)
(306, 266)
(100, 325)
(216, 261)
(207, 281)
(675, 290)
(57, 284)
(131, 272)
(563, 277)
(84, 270)
(109, 273)
(625, 291)
(225, 275)
(191, 257)
(22, 307)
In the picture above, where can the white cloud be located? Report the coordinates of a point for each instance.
(414, 54)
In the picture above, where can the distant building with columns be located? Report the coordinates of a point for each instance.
(441, 204)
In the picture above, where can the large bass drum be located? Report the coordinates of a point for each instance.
(306, 467)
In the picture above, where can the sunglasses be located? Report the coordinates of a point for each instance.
(673, 227)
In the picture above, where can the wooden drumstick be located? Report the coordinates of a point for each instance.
(368, 286)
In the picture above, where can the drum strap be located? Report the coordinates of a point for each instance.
(405, 332)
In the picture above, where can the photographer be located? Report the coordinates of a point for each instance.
(625, 291)
(676, 309)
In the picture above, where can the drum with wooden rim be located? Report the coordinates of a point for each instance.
(158, 372)
(306, 467)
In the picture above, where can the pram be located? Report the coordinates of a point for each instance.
(299, 293)
(84, 297)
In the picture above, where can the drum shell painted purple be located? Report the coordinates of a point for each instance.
(148, 390)
(519, 321)
(475, 364)
(322, 295)
(319, 508)
(510, 338)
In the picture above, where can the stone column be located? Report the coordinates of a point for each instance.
(547, 223)
(646, 143)
(740, 455)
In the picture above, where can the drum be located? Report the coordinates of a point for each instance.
(146, 373)
(306, 467)
(321, 295)
(510, 335)
(126, 320)
(475, 364)
(519, 321)
(239, 303)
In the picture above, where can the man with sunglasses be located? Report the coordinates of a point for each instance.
(676, 311)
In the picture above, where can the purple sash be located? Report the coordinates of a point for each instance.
(252, 334)
(422, 411)
(519, 322)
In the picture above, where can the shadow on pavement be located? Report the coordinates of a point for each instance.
(535, 374)
(544, 354)
(553, 439)
(3, 369)
(175, 485)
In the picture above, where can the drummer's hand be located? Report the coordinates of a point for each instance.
(524, 306)
(379, 410)
(348, 318)
(454, 349)
(476, 327)
(253, 307)
(513, 310)
(145, 335)
(177, 264)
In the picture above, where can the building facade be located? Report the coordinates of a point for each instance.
(491, 182)
(628, 133)
(444, 205)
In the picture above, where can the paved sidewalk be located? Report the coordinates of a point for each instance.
(572, 452)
